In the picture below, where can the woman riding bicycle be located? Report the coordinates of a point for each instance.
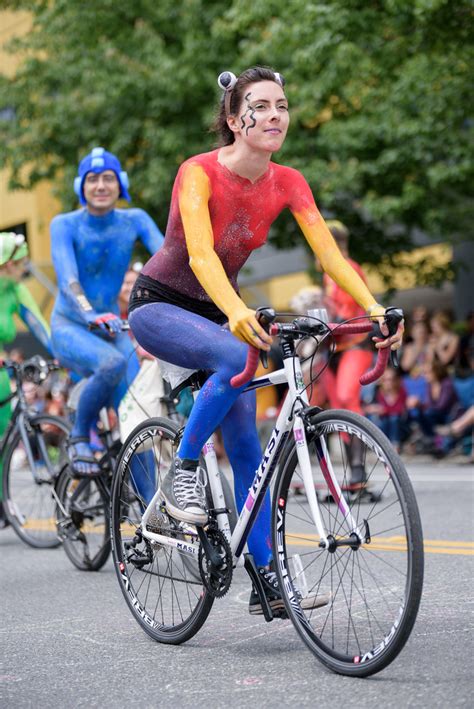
(223, 204)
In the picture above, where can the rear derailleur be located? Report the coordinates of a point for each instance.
(139, 557)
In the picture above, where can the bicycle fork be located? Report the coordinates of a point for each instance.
(295, 382)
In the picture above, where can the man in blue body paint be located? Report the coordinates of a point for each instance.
(91, 251)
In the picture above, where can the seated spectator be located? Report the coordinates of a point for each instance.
(389, 406)
(459, 427)
(458, 434)
(442, 405)
(444, 343)
(420, 314)
(465, 355)
(417, 351)
(416, 354)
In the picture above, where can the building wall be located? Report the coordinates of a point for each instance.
(35, 208)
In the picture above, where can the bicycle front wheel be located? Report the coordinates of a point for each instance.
(83, 521)
(30, 471)
(161, 584)
(372, 584)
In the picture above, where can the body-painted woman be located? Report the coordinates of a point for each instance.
(91, 250)
(15, 299)
(222, 207)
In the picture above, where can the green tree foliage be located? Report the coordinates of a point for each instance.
(380, 96)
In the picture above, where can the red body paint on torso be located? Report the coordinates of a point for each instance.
(241, 215)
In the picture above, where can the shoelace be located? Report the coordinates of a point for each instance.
(271, 578)
(190, 486)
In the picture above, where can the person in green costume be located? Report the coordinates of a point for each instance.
(15, 299)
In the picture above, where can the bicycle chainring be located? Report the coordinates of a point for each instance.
(216, 579)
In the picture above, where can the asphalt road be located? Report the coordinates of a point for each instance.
(68, 640)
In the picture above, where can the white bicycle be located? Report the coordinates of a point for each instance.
(360, 548)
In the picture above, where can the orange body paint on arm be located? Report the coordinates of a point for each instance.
(332, 261)
(194, 194)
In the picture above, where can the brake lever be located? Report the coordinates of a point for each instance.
(393, 317)
(265, 317)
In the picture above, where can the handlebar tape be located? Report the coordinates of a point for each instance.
(379, 369)
(250, 368)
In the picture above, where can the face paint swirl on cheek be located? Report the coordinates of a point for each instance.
(251, 114)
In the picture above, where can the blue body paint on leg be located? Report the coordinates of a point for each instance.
(189, 340)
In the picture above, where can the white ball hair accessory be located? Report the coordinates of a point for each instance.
(227, 80)
(279, 78)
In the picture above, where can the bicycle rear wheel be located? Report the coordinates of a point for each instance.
(374, 587)
(83, 521)
(161, 584)
(28, 488)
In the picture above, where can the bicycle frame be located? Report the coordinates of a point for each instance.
(290, 419)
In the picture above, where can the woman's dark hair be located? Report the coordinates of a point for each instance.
(249, 76)
(439, 370)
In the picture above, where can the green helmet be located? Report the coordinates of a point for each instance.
(12, 247)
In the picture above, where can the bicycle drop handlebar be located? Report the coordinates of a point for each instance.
(95, 326)
(393, 317)
(35, 369)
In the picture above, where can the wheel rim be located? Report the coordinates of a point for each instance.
(368, 586)
(166, 592)
(30, 500)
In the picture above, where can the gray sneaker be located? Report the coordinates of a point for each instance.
(184, 492)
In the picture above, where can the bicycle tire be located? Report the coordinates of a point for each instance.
(83, 521)
(164, 595)
(373, 591)
(28, 497)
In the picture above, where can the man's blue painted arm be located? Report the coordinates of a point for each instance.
(150, 235)
(65, 265)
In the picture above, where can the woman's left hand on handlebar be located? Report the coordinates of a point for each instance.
(394, 341)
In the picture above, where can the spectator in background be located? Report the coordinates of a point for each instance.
(459, 426)
(389, 406)
(35, 396)
(128, 282)
(465, 356)
(444, 343)
(16, 355)
(415, 356)
(442, 405)
(313, 358)
(417, 351)
(420, 314)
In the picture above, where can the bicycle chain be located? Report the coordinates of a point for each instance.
(216, 580)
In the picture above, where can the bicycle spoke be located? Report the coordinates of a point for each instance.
(366, 582)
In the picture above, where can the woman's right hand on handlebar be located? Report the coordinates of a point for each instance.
(245, 326)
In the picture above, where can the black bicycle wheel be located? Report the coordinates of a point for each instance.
(373, 588)
(161, 584)
(83, 521)
(29, 474)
